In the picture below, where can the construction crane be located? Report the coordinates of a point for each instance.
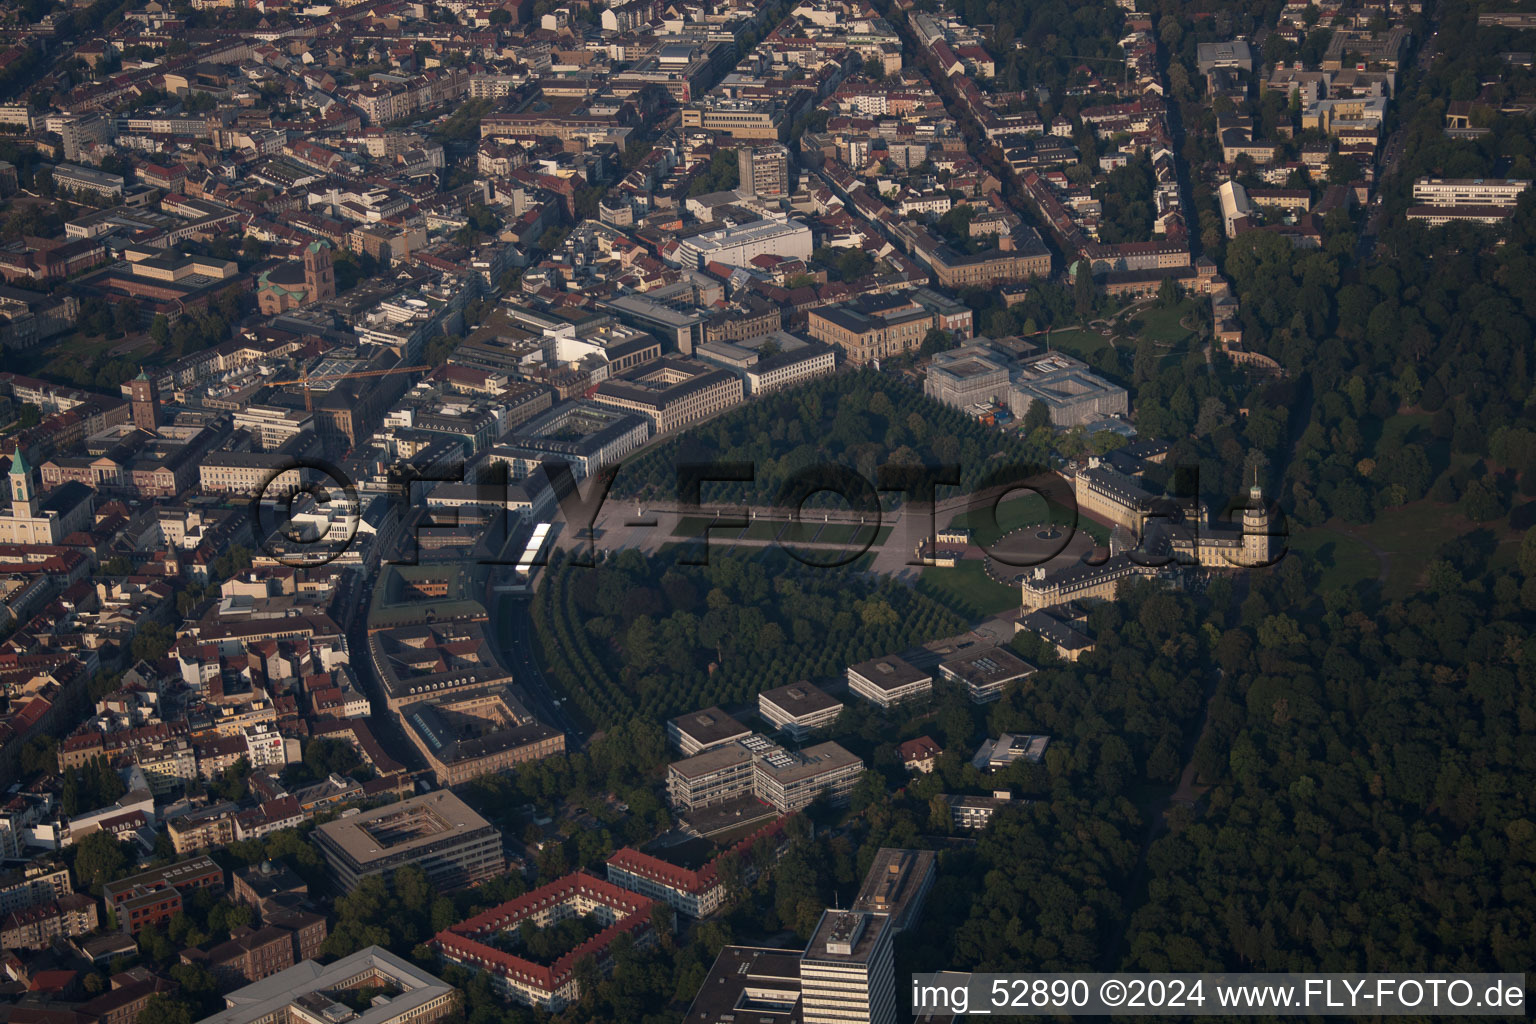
(306, 379)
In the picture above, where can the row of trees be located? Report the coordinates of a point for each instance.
(857, 421)
(648, 636)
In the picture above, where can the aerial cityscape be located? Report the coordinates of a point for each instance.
(724, 511)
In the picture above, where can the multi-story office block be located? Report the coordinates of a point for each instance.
(437, 831)
(888, 681)
(846, 970)
(799, 709)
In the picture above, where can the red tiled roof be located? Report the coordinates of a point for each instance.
(463, 940)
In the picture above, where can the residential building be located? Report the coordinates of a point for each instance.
(920, 754)
(763, 171)
(42, 881)
(36, 927)
(472, 944)
(154, 897)
(211, 826)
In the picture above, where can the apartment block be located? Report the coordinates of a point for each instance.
(36, 927)
(32, 884)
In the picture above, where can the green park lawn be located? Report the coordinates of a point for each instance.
(968, 590)
(1344, 560)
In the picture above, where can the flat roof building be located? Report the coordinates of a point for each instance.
(967, 376)
(699, 731)
(755, 766)
(1234, 55)
(306, 993)
(155, 896)
(975, 813)
(897, 885)
(888, 681)
(1469, 191)
(749, 983)
(673, 392)
(737, 245)
(793, 781)
(799, 709)
(436, 831)
(995, 755)
(711, 777)
(985, 674)
(846, 971)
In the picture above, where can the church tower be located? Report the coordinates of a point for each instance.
(319, 274)
(1258, 545)
(23, 495)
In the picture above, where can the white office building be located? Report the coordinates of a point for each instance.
(738, 245)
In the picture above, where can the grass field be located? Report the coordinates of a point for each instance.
(1403, 427)
(1344, 560)
(1162, 325)
(968, 589)
(1400, 543)
(1075, 343)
